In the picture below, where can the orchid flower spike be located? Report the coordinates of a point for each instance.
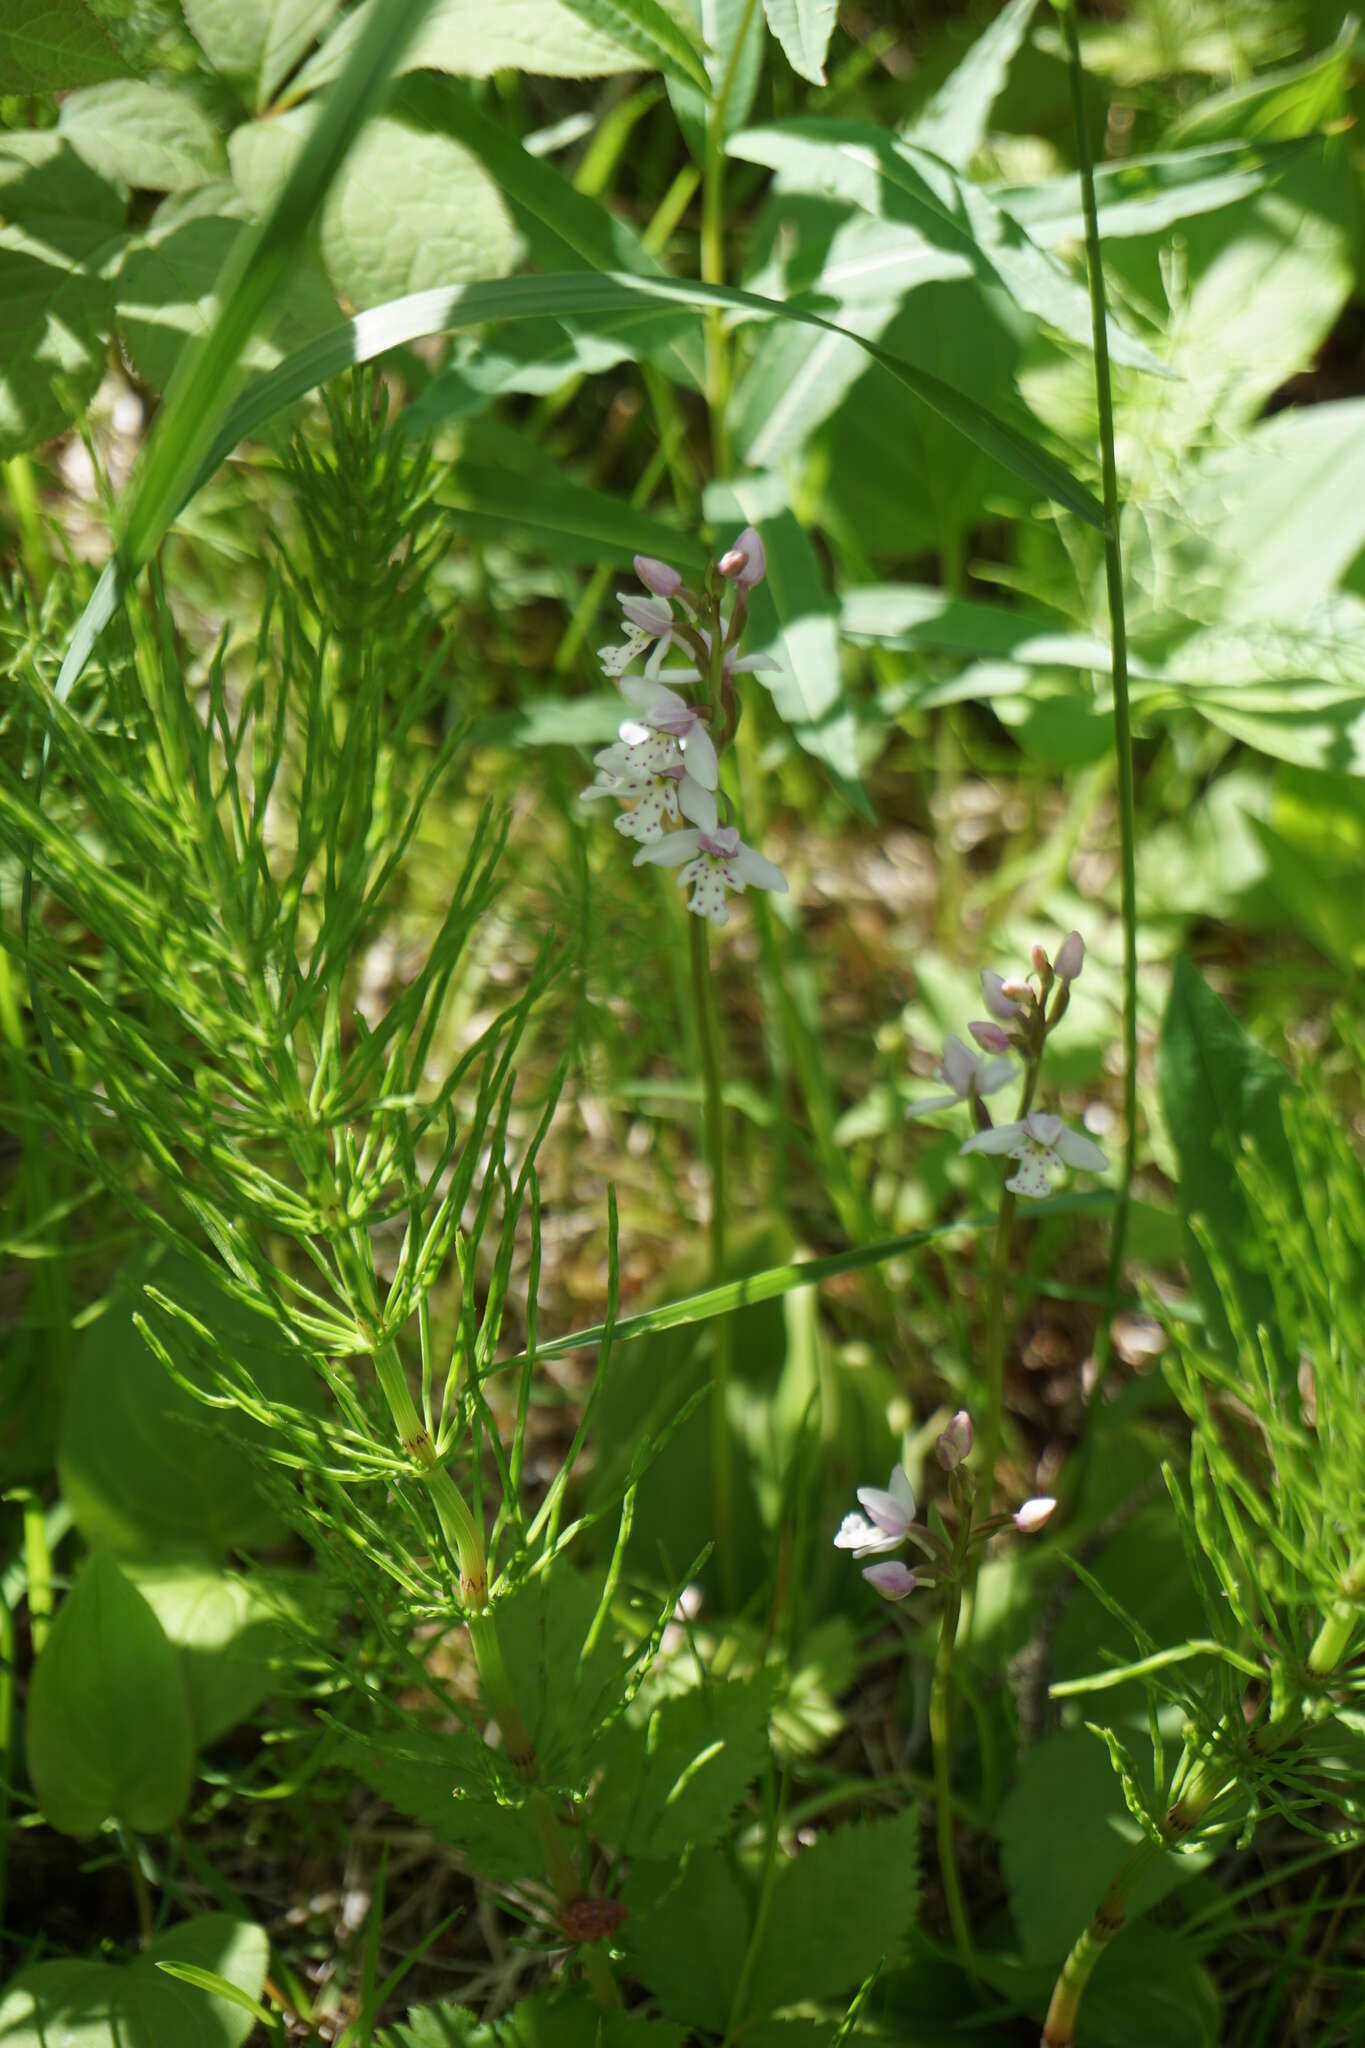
(1043, 1146)
(716, 859)
(965, 1075)
(891, 1510)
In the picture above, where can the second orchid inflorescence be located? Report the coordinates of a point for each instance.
(665, 764)
(888, 1520)
(1024, 1010)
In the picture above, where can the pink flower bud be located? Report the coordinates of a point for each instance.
(745, 561)
(657, 576)
(894, 1581)
(1033, 1514)
(1016, 989)
(955, 1444)
(997, 1002)
(1038, 955)
(989, 1036)
(1071, 957)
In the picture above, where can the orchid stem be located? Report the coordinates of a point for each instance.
(1118, 636)
(940, 1734)
(722, 1478)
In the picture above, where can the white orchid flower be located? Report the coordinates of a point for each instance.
(716, 859)
(651, 774)
(1043, 1146)
(891, 1510)
(649, 622)
(964, 1073)
(662, 710)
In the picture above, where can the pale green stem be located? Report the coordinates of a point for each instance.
(722, 1476)
(1118, 636)
(941, 1736)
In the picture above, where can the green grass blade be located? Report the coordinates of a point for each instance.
(776, 1280)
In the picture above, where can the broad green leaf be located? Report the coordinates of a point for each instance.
(168, 288)
(563, 228)
(1277, 519)
(232, 1634)
(673, 1775)
(1145, 194)
(694, 1980)
(803, 28)
(60, 226)
(903, 184)
(839, 1909)
(1295, 691)
(894, 478)
(108, 1724)
(793, 622)
(80, 2004)
(1219, 1090)
(1064, 1829)
(953, 125)
(153, 138)
(649, 32)
(562, 2018)
(1295, 100)
(922, 615)
(149, 1470)
(50, 45)
(473, 40)
(1244, 297)
(256, 43)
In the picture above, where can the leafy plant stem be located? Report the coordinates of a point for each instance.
(940, 1734)
(1118, 636)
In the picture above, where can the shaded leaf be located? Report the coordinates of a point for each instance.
(953, 125)
(60, 226)
(108, 1723)
(256, 43)
(803, 28)
(48, 45)
(150, 136)
(149, 1470)
(98, 2005)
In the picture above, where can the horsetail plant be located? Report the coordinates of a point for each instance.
(1273, 1518)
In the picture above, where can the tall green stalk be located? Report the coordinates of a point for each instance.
(1118, 635)
(722, 1474)
(941, 1738)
